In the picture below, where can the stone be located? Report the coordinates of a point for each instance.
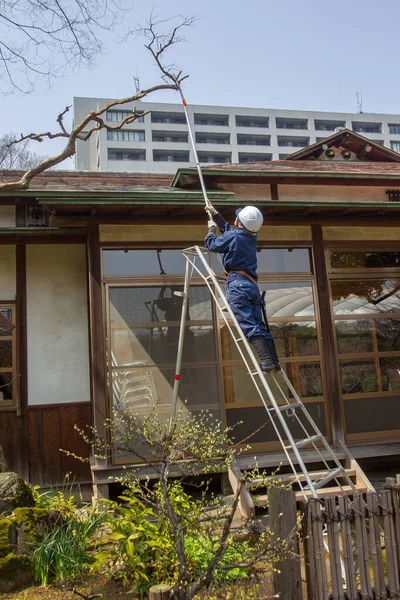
(15, 569)
(14, 492)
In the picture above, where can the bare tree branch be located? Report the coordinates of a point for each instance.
(95, 120)
(18, 157)
(48, 39)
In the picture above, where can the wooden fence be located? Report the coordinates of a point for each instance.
(351, 549)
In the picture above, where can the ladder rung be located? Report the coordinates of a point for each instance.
(327, 478)
(238, 340)
(223, 308)
(284, 407)
(308, 441)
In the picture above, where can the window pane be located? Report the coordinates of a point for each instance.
(138, 388)
(288, 299)
(354, 336)
(368, 296)
(295, 339)
(284, 260)
(310, 379)
(6, 392)
(239, 387)
(130, 305)
(371, 260)
(143, 262)
(388, 334)
(7, 313)
(159, 345)
(5, 353)
(390, 372)
(358, 376)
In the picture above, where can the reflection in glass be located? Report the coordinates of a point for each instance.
(354, 336)
(283, 260)
(288, 299)
(310, 380)
(295, 339)
(5, 353)
(358, 376)
(138, 388)
(364, 260)
(368, 296)
(239, 386)
(388, 334)
(7, 313)
(390, 373)
(6, 392)
(144, 262)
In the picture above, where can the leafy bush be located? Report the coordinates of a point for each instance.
(61, 501)
(200, 551)
(61, 554)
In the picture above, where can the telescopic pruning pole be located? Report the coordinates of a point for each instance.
(185, 293)
(191, 136)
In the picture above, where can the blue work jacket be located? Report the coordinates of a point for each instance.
(238, 247)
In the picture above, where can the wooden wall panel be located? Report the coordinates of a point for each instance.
(9, 438)
(51, 428)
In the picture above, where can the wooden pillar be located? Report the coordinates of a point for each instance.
(283, 519)
(22, 412)
(327, 335)
(98, 379)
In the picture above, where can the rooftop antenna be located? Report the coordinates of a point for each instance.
(359, 102)
(136, 81)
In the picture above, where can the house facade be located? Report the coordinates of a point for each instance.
(89, 263)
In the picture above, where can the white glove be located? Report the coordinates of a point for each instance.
(211, 210)
(212, 227)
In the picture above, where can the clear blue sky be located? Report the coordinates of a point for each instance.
(309, 55)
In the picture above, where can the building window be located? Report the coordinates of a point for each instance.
(174, 118)
(243, 121)
(170, 137)
(395, 146)
(394, 127)
(161, 156)
(324, 125)
(253, 140)
(126, 135)
(293, 142)
(286, 123)
(205, 157)
(8, 356)
(246, 158)
(361, 127)
(215, 120)
(114, 154)
(119, 115)
(212, 138)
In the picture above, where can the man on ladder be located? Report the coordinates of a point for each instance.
(239, 249)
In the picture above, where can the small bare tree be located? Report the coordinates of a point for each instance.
(157, 45)
(192, 445)
(47, 39)
(17, 156)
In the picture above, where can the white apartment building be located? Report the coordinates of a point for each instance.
(158, 141)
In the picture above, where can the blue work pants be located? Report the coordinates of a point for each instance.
(245, 301)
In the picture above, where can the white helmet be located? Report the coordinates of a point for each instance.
(251, 218)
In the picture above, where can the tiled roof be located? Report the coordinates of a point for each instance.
(310, 166)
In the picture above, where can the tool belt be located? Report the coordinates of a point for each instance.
(245, 274)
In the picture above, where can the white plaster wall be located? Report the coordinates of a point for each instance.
(7, 216)
(57, 324)
(7, 273)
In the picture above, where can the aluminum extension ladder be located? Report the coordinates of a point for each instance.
(279, 413)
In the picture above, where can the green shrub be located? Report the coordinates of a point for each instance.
(200, 551)
(143, 548)
(61, 554)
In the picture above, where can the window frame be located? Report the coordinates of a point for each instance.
(14, 403)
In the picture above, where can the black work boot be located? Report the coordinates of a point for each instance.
(267, 352)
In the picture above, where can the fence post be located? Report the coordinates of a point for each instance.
(309, 556)
(393, 485)
(160, 592)
(283, 519)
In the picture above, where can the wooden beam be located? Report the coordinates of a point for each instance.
(98, 375)
(22, 362)
(274, 191)
(365, 150)
(327, 339)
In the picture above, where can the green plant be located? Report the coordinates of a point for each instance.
(143, 548)
(61, 554)
(61, 500)
(200, 551)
